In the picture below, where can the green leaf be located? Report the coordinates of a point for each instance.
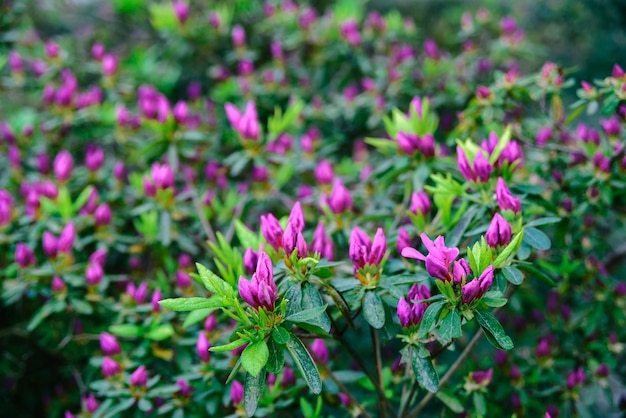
(509, 249)
(544, 221)
(307, 315)
(305, 364)
(339, 301)
(450, 327)
(453, 239)
(373, 309)
(294, 298)
(252, 392)
(424, 371)
(43, 312)
(536, 239)
(126, 330)
(323, 273)
(196, 316)
(254, 357)
(191, 304)
(450, 401)
(382, 144)
(491, 327)
(228, 347)
(276, 359)
(82, 198)
(513, 275)
(161, 333)
(430, 317)
(529, 268)
(311, 298)
(494, 302)
(281, 335)
(503, 141)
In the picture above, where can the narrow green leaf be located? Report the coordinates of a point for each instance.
(430, 317)
(205, 275)
(196, 316)
(228, 347)
(307, 315)
(509, 249)
(544, 221)
(453, 239)
(529, 268)
(281, 335)
(490, 325)
(503, 141)
(450, 401)
(160, 333)
(373, 309)
(305, 364)
(450, 327)
(276, 359)
(191, 304)
(252, 392)
(247, 238)
(513, 275)
(536, 239)
(126, 330)
(41, 314)
(254, 357)
(339, 301)
(424, 371)
(82, 198)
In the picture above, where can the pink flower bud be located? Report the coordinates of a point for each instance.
(202, 347)
(97, 51)
(24, 256)
(109, 64)
(236, 392)
(238, 36)
(94, 274)
(102, 215)
(181, 9)
(58, 285)
(109, 344)
(505, 199)
(320, 350)
(94, 158)
(324, 172)
(91, 405)
(499, 232)
(139, 378)
(339, 200)
(66, 239)
(63, 165)
(110, 367)
(50, 244)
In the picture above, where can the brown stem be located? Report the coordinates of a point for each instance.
(382, 399)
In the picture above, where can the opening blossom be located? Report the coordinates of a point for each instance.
(246, 123)
(439, 257)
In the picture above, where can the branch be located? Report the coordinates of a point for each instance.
(382, 399)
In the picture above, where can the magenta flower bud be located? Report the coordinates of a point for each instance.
(611, 126)
(289, 378)
(324, 172)
(58, 285)
(482, 378)
(296, 217)
(119, 171)
(416, 105)
(408, 142)
(617, 72)
(508, 25)
(24, 256)
(272, 231)
(210, 324)
(601, 162)
(464, 165)
(109, 64)
(261, 291)
(214, 20)
(50, 244)
(420, 203)
(239, 36)
(430, 49)
(110, 367)
(181, 112)
(99, 256)
(66, 239)
(250, 258)
(602, 370)
(293, 240)
(510, 154)
(483, 92)
(482, 167)
(63, 165)
(478, 287)
(505, 199)
(379, 247)
(183, 279)
(202, 347)
(97, 51)
(322, 243)
(91, 405)
(94, 274)
(185, 390)
(320, 350)
(154, 300)
(276, 49)
(102, 215)
(109, 344)
(543, 135)
(339, 200)
(139, 378)
(94, 158)
(162, 175)
(51, 49)
(149, 188)
(15, 62)
(181, 9)
(460, 271)
(499, 232)
(236, 393)
(403, 241)
(43, 164)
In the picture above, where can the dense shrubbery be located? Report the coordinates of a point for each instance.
(363, 206)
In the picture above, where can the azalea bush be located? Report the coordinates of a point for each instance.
(267, 209)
